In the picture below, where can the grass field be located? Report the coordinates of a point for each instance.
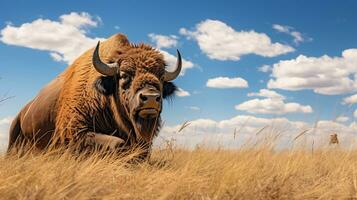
(177, 173)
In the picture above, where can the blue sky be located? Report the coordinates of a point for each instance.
(301, 43)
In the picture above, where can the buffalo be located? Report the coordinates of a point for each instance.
(333, 139)
(110, 96)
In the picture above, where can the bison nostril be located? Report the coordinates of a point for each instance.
(143, 98)
(149, 97)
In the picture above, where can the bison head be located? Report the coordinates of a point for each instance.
(139, 82)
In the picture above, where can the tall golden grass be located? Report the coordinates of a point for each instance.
(178, 173)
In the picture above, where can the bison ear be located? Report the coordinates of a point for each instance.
(105, 85)
(169, 89)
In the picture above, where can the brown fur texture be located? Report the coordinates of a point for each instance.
(81, 100)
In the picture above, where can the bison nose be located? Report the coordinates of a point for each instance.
(149, 97)
(149, 104)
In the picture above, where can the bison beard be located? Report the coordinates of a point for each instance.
(146, 127)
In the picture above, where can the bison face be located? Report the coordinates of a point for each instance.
(139, 82)
(141, 96)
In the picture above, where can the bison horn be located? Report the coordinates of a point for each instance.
(169, 76)
(101, 67)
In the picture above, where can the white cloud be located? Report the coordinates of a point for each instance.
(298, 38)
(226, 82)
(342, 119)
(244, 130)
(346, 133)
(4, 132)
(182, 93)
(265, 68)
(220, 41)
(273, 103)
(65, 39)
(80, 19)
(163, 41)
(56, 56)
(171, 62)
(324, 75)
(194, 108)
(272, 106)
(6, 120)
(350, 100)
(266, 93)
(355, 114)
(280, 28)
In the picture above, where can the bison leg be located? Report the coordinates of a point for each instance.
(103, 141)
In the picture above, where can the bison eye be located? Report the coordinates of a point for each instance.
(125, 78)
(123, 75)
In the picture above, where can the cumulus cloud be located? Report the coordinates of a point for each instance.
(266, 93)
(79, 19)
(65, 39)
(298, 37)
(324, 75)
(273, 103)
(220, 41)
(4, 132)
(242, 129)
(5, 121)
(265, 68)
(163, 41)
(247, 124)
(350, 100)
(342, 119)
(226, 82)
(272, 106)
(182, 93)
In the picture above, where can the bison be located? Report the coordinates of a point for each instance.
(333, 139)
(110, 96)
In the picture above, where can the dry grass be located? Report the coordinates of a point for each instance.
(254, 173)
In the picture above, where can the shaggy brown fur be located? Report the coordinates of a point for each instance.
(81, 100)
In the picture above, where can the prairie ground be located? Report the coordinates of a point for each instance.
(178, 173)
